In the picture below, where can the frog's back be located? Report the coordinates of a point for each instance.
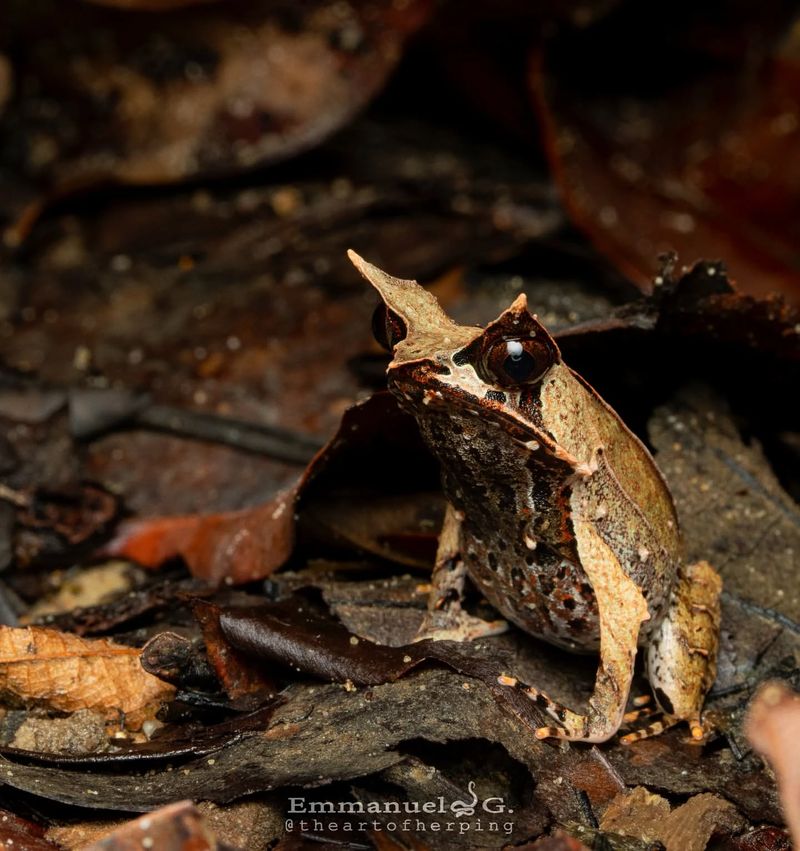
(625, 498)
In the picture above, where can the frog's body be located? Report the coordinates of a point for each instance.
(556, 510)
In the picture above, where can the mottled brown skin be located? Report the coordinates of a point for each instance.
(557, 511)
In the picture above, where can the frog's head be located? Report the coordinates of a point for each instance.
(438, 361)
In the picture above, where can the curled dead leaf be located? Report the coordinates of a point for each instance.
(376, 449)
(63, 672)
(235, 546)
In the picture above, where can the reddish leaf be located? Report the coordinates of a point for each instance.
(694, 152)
(235, 547)
(16, 832)
(376, 448)
(238, 678)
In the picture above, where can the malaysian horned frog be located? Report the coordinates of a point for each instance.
(555, 510)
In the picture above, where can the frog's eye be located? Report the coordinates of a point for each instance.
(387, 327)
(512, 362)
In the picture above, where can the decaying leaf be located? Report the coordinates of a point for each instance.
(57, 525)
(172, 828)
(209, 90)
(764, 838)
(46, 668)
(700, 160)
(17, 832)
(238, 678)
(235, 547)
(646, 816)
(724, 490)
(375, 448)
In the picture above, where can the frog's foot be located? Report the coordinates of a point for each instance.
(699, 732)
(446, 619)
(592, 727)
(682, 656)
(454, 624)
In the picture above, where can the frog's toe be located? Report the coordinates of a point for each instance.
(665, 722)
(700, 730)
(639, 714)
(550, 733)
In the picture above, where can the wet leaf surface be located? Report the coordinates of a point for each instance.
(237, 677)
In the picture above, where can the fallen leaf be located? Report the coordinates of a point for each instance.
(765, 838)
(17, 832)
(644, 815)
(238, 678)
(235, 546)
(700, 160)
(176, 827)
(214, 90)
(46, 668)
(376, 448)
(691, 826)
(57, 525)
(729, 497)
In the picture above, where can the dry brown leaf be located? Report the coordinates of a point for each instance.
(61, 671)
(692, 825)
(176, 826)
(642, 815)
(637, 813)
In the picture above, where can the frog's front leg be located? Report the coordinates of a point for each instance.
(682, 655)
(622, 609)
(445, 619)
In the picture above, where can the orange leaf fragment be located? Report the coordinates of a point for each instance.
(234, 546)
(64, 672)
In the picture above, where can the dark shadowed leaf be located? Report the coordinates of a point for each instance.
(694, 152)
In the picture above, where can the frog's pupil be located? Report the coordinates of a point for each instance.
(519, 365)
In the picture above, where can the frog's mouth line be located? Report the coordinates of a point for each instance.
(414, 396)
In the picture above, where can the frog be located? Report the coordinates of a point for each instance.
(556, 512)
